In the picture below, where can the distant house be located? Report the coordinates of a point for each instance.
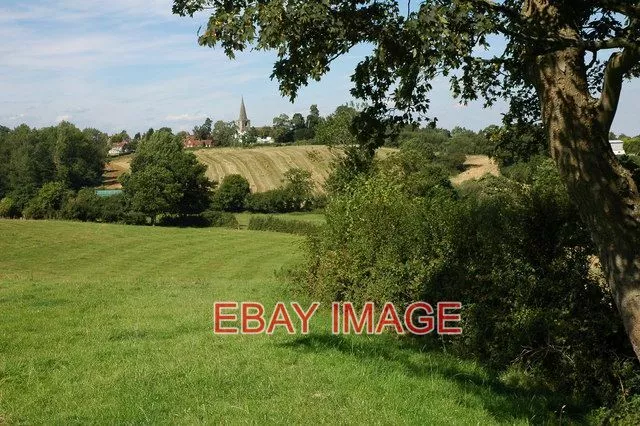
(618, 147)
(268, 139)
(119, 149)
(190, 141)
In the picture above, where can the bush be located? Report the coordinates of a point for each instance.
(631, 163)
(113, 209)
(296, 194)
(135, 218)
(231, 194)
(272, 201)
(632, 146)
(9, 209)
(515, 255)
(47, 202)
(290, 226)
(85, 206)
(220, 219)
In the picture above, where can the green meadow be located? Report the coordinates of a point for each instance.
(113, 324)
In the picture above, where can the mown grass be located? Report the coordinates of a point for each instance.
(112, 324)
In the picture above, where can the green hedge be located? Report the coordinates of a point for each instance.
(289, 226)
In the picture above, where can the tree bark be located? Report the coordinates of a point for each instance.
(603, 191)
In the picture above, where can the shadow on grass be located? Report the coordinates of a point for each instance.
(504, 402)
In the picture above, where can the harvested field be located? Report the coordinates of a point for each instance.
(263, 167)
(476, 167)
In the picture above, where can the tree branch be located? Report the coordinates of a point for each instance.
(622, 7)
(620, 63)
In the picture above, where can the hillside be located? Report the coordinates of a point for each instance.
(112, 324)
(263, 167)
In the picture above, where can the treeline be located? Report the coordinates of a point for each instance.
(51, 174)
(32, 158)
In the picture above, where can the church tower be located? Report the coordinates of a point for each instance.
(243, 122)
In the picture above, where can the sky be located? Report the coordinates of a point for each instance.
(131, 65)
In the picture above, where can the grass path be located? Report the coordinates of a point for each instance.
(112, 324)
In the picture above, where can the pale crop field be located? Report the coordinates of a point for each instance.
(263, 167)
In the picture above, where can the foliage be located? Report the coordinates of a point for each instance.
(295, 194)
(631, 163)
(220, 219)
(166, 179)
(231, 194)
(84, 206)
(8, 208)
(518, 143)
(290, 226)
(515, 254)
(632, 146)
(204, 131)
(209, 218)
(336, 129)
(153, 190)
(224, 133)
(30, 158)
(346, 169)
(48, 201)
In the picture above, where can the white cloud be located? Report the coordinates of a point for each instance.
(66, 117)
(185, 117)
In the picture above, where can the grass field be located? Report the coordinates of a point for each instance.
(112, 324)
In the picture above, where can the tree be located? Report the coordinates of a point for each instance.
(203, 132)
(231, 194)
(153, 191)
(336, 129)
(550, 70)
(249, 137)
(123, 136)
(224, 133)
(165, 179)
(313, 119)
(297, 121)
(79, 156)
(282, 129)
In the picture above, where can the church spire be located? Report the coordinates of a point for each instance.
(243, 122)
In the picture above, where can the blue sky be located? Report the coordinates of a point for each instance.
(131, 64)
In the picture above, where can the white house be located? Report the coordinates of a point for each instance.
(119, 149)
(268, 139)
(618, 147)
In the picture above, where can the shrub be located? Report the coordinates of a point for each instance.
(84, 206)
(47, 202)
(231, 194)
(113, 209)
(515, 255)
(220, 219)
(632, 146)
(9, 208)
(631, 163)
(272, 201)
(290, 226)
(296, 194)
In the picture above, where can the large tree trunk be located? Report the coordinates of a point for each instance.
(603, 191)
